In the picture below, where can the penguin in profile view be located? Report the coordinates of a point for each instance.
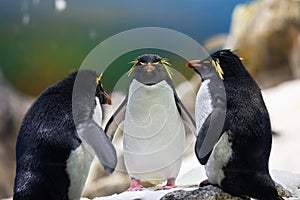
(233, 128)
(58, 138)
(153, 131)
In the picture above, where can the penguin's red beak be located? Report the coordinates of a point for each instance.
(193, 63)
(107, 98)
(149, 67)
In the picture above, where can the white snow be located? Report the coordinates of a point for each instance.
(289, 181)
(283, 103)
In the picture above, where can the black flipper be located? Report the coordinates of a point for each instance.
(184, 113)
(209, 134)
(115, 121)
(99, 144)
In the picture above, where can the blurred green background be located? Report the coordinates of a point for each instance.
(41, 41)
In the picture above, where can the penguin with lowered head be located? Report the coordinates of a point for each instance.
(234, 134)
(58, 138)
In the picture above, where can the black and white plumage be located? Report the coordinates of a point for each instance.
(153, 133)
(234, 131)
(56, 144)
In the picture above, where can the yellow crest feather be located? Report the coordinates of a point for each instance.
(166, 65)
(98, 79)
(218, 68)
(134, 62)
(164, 62)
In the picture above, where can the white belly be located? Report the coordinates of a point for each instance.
(203, 105)
(154, 134)
(78, 166)
(219, 157)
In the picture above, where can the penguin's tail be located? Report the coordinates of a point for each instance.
(280, 198)
(267, 189)
(258, 185)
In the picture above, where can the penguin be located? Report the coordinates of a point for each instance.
(56, 144)
(153, 126)
(234, 134)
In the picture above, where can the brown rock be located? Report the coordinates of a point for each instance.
(266, 34)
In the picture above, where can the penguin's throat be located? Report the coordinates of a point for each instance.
(149, 83)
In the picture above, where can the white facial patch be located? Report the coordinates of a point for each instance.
(219, 158)
(78, 166)
(203, 105)
(97, 116)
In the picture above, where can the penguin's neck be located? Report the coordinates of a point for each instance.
(211, 95)
(97, 115)
(216, 90)
(210, 74)
(203, 105)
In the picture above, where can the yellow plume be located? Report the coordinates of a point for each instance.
(98, 79)
(218, 68)
(164, 62)
(166, 65)
(134, 62)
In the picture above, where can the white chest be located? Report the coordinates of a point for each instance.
(78, 166)
(219, 158)
(97, 116)
(203, 106)
(154, 134)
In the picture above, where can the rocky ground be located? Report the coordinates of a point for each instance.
(289, 188)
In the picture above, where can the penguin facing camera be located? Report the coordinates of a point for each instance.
(234, 134)
(153, 131)
(56, 144)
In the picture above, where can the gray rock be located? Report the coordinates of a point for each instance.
(214, 193)
(204, 193)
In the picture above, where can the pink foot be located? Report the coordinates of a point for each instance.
(204, 183)
(170, 185)
(135, 185)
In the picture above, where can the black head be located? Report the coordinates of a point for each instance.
(104, 98)
(207, 68)
(224, 63)
(150, 69)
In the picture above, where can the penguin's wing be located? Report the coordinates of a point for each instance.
(209, 134)
(184, 113)
(98, 143)
(116, 119)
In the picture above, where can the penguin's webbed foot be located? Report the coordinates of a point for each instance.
(204, 183)
(170, 185)
(135, 185)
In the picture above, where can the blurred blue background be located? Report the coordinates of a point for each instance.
(41, 43)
